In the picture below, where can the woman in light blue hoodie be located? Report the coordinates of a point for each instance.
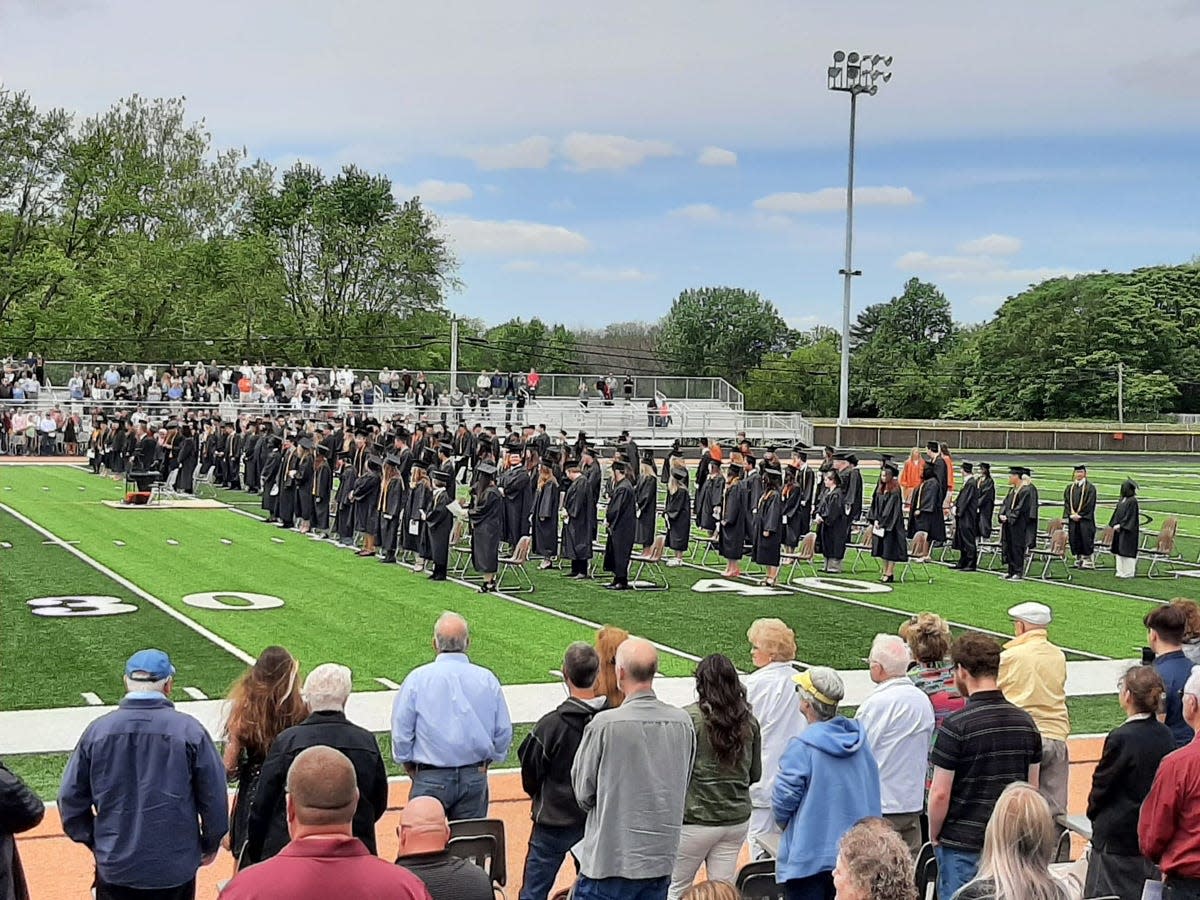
(827, 781)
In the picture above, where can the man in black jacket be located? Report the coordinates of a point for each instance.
(21, 810)
(547, 754)
(325, 690)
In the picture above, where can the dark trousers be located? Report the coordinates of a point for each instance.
(814, 887)
(968, 556)
(623, 888)
(1181, 889)
(117, 892)
(463, 792)
(547, 847)
(1014, 556)
(579, 566)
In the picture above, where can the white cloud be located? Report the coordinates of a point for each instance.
(432, 190)
(697, 212)
(715, 156)
(576, 270)
(530, 153)
(992, 245)
(588, 152)
(834, 199)
(512, 237)
(977, 269)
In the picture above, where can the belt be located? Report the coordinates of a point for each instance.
(426, 767)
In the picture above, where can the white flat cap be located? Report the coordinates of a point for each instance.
(1033, 613)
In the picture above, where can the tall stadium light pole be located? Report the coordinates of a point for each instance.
(453, 352)
(853, 74)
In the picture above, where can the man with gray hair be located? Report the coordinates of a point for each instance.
(145, 790)
(898, 719)
(325, 690)
(449, 723)
(631, 776)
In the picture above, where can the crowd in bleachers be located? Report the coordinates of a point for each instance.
(953, 772)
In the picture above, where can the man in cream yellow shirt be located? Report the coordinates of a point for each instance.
(1033, 676)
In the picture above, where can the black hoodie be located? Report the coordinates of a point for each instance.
(547, 754)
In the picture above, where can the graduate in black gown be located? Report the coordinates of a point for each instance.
(545, 514)
(303, 485)
(285, 480)
(850, 479)
(1079, 512)
(269, 477)
(789, 509)
(677, 514)
(1126, 523)
(768, 523)
(733, 518)
(416, 503)
(579, 520)
(515, 487)
(708, 498)
(925, 512)
(987, 500)
(646, 495)
(390, 508)
(322, 488)
(343, 505)
(808, 483)
(365, 498)
(940, 470)
(966, 521)
(439, 522)
(1017, 520)
(487, 516)
(833, 532)
(590, 468)
(186, 459)
(885, 518)
(621, 519)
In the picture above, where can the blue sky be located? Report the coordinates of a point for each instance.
(588, 163)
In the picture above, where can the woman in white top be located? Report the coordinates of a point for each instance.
(772, 696)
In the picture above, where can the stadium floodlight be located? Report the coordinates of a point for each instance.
(853, 74)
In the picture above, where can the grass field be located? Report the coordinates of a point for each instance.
(330, 605)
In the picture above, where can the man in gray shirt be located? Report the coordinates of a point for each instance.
(631, 776)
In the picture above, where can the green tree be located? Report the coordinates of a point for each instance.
(806, 380)
(720, 331)
(518, 346)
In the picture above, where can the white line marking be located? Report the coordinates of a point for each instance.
(115, 543)
(226, 541)
(388, 683)
(195, 693)
(275, 540)
(172, 542)
(91, 699)
(6, 545)
(130, 586)
(44, 543)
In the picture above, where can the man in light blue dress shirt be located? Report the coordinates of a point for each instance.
(449, 723)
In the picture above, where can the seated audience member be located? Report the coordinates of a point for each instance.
(20, 810)
(326, 690)
(424, 833)
(728, 760)
(827, 781)
(711, 890)
(1165, 626)
(873, 863)
(772, 696)
(547, 754)
(1122, 779)
(1169, 822)
(1018, 844)
(323, 859)
(899, 724)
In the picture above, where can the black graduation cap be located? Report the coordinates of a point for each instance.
(321, 448)
(933, 446)
(618, 466)
(799, 445)
(680, 474)
(486, 468)
(440, 476)
(362, 432)
(275, 441)
(802, 456)
(889, 466)
(306, 442)
(1018, 470)
(553, 455)
(772, 470)
(421, 460)
(571, 463)
(393, 460)
(770, 448)
(1080, 468)
(985, 466)
(374, 462)
(648, 456)
(345, 454)
(448, 449)
(401, 432)
(968, 467)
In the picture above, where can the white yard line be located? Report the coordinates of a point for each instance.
(237, 652)
(195, 693)
(91, 699)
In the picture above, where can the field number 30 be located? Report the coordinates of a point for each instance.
(75, 607)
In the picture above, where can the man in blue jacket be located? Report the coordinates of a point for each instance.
(145, 791)
(827, 781)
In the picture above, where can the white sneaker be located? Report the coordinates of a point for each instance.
(673, 562)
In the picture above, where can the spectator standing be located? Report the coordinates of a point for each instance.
(827, 781)
(976, 754)
(20, 810)
(608, 639)
(1166, 626)
(144, 790)
(326, 690)
(772, 696)
(898, 719)
(264, 702)
(928, 638)
(873, 864)
(449, 723)
(1033, 676)
(1018, 845)
(424, 833)
(1122, 779)
(547, 754)
(728, 760)
(631, 777)
(322, 799)
(1169, 823)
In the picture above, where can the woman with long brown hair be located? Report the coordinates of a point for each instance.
(608, 639)
(261, 704)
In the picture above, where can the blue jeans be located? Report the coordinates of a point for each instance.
(621, 888)
(547, 847)
(955, 868)
(462, 791)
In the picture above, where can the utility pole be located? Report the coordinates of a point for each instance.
(453, 351)
(1121, 393)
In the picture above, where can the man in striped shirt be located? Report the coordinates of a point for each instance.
(978, 752)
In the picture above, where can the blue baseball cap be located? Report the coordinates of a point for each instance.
(154, 663)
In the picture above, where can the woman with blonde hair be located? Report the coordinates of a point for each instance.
(608, 639)
(711, 890)
(261, 704)
(1018, 845)
(910, 476)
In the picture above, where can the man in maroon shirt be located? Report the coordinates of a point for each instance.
(324, 858)
(1169, 825)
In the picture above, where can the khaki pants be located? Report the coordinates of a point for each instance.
(1052, 777)
(908, 826)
